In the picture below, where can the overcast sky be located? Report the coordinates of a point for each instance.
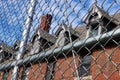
(13, 14)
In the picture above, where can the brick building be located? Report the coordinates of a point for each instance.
(94, 56)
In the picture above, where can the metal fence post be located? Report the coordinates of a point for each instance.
(25, 38)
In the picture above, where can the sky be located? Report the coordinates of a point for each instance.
(13, 14)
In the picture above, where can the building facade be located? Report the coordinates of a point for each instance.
(95, 60)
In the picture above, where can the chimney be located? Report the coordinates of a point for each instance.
(46, 22)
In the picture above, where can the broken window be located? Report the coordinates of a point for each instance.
(25, 72)
(84, 68)
(50, 70)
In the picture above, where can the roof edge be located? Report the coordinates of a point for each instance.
(75, 45)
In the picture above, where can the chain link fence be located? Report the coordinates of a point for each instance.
(59, 39)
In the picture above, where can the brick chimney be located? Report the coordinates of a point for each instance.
(46, 22)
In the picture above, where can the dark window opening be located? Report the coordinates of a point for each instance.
(72, 36)
(93, 16)
(50, 71)
(25, 72)
(67, 37)
(44, 44)
(94, 29)
(84, 68)
(5, 56)
(108, 25)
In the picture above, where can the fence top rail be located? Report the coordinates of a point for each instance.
(114, 34)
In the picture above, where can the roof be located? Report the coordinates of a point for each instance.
(72, 31)
(17, 45)
(45, 35)
(6, 48)
(78, 44)
(82, 31)
(117, 16)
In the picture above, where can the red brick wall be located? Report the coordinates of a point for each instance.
(1, 75)
(65, 69)
(10, 75)
(104, 67)
(20, 73)
(37, 71)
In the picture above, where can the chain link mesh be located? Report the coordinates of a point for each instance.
(59, 39)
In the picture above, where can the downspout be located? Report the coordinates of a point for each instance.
(25, 35)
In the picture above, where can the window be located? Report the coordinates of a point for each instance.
(50, 70)
(25, 72)
(5, 76)
(84, 68)
(108, 24)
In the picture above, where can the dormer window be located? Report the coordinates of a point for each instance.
(65, 35)
(99, 22)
